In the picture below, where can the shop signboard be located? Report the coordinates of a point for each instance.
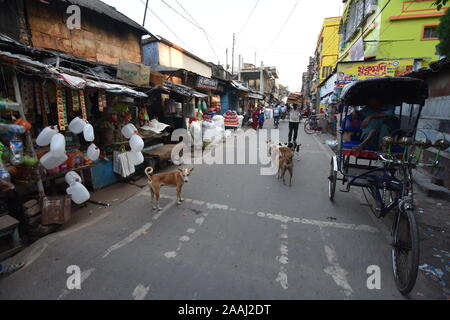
(355, 71)
(136, 73)
(207, 83)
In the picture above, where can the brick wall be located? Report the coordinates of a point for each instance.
(100, 39)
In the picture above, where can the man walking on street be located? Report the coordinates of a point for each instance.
(294, 122)
(276, 115)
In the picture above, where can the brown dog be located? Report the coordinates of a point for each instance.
(286, 164)
(175, 179)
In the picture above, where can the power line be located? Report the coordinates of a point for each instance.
(286, 22)
(193, 23)
(248, 18)
(203, 29)
(160, 20)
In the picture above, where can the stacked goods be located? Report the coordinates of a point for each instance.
(231, 118)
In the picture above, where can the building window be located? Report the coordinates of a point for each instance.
(430, 32)
(326, 71)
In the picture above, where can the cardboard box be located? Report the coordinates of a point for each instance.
(56, 210)
(136, 73)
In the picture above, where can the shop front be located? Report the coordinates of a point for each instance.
(62, 134)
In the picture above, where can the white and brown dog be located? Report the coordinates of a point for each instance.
(175, 179)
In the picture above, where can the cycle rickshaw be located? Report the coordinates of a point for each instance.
(386, 174)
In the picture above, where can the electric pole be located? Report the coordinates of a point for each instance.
(145, 13)
(232, 56)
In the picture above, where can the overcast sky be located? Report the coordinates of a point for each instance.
(288, 50)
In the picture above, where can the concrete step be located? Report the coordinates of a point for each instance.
(423, 181)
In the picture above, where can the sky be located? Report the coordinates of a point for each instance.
(281, 33)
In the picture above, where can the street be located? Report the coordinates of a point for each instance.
(239, 235)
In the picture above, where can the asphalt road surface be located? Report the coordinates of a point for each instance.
(239, 235)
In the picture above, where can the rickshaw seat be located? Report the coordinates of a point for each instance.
(349, 145)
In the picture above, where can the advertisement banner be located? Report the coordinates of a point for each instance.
(136, 73)
(207, 83)
(354, 71)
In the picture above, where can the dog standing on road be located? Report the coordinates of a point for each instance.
(175, 179)
(286, 164)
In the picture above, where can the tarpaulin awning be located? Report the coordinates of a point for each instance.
(239, 86)
(255, 95)
(183, 90)
(69, 80)
(80, 83)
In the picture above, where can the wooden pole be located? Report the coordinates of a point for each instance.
(28, 134)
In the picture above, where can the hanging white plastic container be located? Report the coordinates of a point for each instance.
(79, 193)
(45, 137)
(51, 161)
(88, 132)
(72, 177)
(93, 152)
(129, 130)
(77, 125)
(58, 145)
(136, 143)
(137, 158)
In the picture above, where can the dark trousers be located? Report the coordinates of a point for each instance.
(293, 130)
(276, 120)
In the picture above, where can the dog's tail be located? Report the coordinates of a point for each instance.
(149, 173)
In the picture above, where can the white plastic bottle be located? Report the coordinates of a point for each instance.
(129, 130)
(79, 193)
(77, 125)
(58, 145)
(136, 143)
(45, 137)
(88, 133)
(50, 161)
(72, 177)
(93, 152)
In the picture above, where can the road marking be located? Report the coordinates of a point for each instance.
(84, 276)
(128, 239)
(338, 273)
(140, 292)
(136, 234)
(186, 237)
(283, 259)
(287, 219)
(200, 221)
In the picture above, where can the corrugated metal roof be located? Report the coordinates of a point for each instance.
(103, 8)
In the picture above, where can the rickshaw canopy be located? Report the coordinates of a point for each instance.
(393, 91)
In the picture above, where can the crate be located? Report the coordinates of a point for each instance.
(56, 210)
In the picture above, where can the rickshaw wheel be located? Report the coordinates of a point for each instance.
(308, 128)
(332, 181)
(405, 251)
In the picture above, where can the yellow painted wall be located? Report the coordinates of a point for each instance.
(396, 31)
(328, 44)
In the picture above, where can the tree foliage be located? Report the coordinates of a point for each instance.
(440, 3)
(444, 35)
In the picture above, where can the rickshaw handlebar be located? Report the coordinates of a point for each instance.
(400, 162)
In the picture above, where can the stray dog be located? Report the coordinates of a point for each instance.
(296, 149)
(283, 149)
(286, 164)
(171, 179)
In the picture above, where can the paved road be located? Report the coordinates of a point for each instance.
(239, 235)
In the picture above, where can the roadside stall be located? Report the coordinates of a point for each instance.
(60, 129)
